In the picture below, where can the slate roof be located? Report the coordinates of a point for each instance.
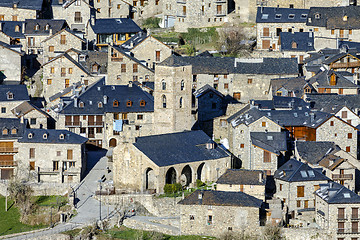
(226, 65)
(96, 94)
(14, 48)
(348, 44)
(332, 103)
(55, 26)
(26, 107)
(335, 193)
(313, 152)
(11, 123)
(65, 30)
(115, 25)
(304, 41)
(95, 57)
(75, 62)
(206, 88)
(24, 4)
(64, 91)
(303, 117)
(281, 15)
(135, 40)
(295, 85)
(221, 198)
(322, 80)
(281, 102)
(175, 148)
(53, 137)
(205, 54)
(296, 171)
(275, 142)
(332, 17)
(242, 177)
(19, 92)
(8, 27)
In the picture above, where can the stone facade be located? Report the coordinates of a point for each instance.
(59, 43)
(340, 132)
(112, 9)
(194, 219)
(123, 69)
(10, 65)
(17, 14)
(257, 191)
(327, 38)
(135, 171)
(172, 99)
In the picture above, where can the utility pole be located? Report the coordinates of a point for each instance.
(100, 199)
(6, 198)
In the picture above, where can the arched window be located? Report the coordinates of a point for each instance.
(13, 131)
(47, 27)
(5, 131)
(61, 136)
(45, 136)
(182, 85)
(81, 105)
(181, 102)
(293, 45)
(17, 28)
(100, 105)
(30, 135)
(163, 85)
(36, 28)
(115, 103)
(164, 101)
(129, 103)
(142, 103)
(10, 95)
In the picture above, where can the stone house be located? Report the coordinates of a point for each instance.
(188, 14)
(112, 9)
(215, 213)
(10, 97)
(271, 21)
(147, 48)
(335, 163)
(12, 32)
(251, 182)
(65, 160)
(116, 31)
(11, 64)
(337, 210)
(71, 67)
(296, 44)
(295, 185)
(330, 81)
(290, 87)
(36, 117)
(331, 24)
(109, 115)
(153, 161)
(59, 43)
(21, 10)
(76, 12)
(37, 30)
(11, 130)
(346, 114)
(123, 67)
(142, 9)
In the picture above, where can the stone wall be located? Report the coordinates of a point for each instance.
(257, 191)
(10, 65)
(68, 13)
(17, 14)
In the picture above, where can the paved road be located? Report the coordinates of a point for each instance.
(88, 209)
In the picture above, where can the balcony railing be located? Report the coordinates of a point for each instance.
(91, 135)
(48, 171)
(342, 217)
(345, 65)
(96, 123)
(8, 150)
(76, 124)
(355, 217)
(342, 176)
(181, 1)
(8, 163)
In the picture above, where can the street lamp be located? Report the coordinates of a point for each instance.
(102, 179)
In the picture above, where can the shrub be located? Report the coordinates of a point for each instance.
(151, 22)
(199, 183)
(172, 188)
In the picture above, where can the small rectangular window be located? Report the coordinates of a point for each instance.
(140, 116)
(209, 220)
(123, 68)
(55, 165)
(32, 153)
(51, 48)
(69, 154)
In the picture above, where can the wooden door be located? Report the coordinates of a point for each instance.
(306, 204)
(91, 120)
(69, 154)
(265, 44)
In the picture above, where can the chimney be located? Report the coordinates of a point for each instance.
(75, 102)
(22, 119)
(50, 31)
(312, 117)
(23, 27)
(105, 99)
(260, 177)
(130, 84)
(92, 19)
(131, 44)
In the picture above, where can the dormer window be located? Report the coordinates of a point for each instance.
(14, 131)
(82, 58)
(95, 67)
(100, 105)
(317, 16)
(10, 95)
(30, 136)
(81, 104)
(17, 28)
(5, 131)
(333, 79)
(61, 136)
(15, 5)
(277, 16)
(345, 18)
(142, 103)
(291, 16)
(293, 45)
(45, 136)
(303, 16)
(129, 103)
(47, 27)
(37, 27)
(115, 103)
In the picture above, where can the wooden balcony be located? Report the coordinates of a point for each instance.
(8, 150)
(48, 171)
(96, 123)
(345, 65)
(8, 163)
(73, 124)
(342, 177)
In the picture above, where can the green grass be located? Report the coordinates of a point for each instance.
(50, 200)
(9, 221)
(127, 234)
